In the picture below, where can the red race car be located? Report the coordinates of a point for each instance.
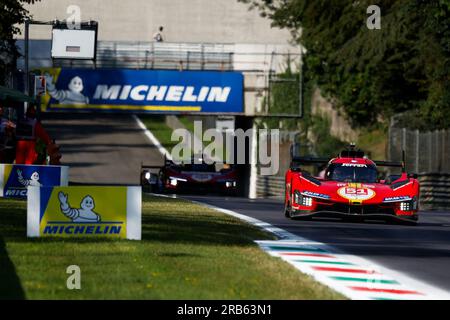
(348, 186)
(194, 177)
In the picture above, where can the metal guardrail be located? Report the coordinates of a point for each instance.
(270, 187)
(434, 191)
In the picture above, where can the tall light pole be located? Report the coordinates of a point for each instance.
(26, 54)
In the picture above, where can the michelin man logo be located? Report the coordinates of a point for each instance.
(32, 182)
(84, 214)
(71, 96)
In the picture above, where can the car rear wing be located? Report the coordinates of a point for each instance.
(394, 164)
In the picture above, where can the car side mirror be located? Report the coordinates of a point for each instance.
(412, 175)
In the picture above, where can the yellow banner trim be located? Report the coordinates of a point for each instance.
(125, 107)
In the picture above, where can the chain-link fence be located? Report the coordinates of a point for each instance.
(425, 151)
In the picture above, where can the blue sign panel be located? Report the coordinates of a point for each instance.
(14, 178)
(143, 90)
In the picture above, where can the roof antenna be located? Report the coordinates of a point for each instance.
(403, 161)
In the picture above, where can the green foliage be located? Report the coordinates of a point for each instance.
(285, 99)
(284, 92)
(12, 13)
(373, 140)
(325, 144)
(374, 74)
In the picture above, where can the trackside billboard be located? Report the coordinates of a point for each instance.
(84, 211)
(153, 91)
(15, 178)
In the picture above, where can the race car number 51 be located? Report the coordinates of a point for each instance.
(352, 193)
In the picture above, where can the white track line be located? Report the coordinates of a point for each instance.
(152, 138)
(287, 238)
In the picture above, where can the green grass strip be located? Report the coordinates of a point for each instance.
(187, 252)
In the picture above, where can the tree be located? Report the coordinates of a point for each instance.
(374, 74)
(12, 13)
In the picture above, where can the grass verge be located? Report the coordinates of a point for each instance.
(187, 252)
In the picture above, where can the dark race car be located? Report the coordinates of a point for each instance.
(199, 177)
(349, 187)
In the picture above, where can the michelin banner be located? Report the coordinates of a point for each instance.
(84, 211)
(15, 178)
(153, 91)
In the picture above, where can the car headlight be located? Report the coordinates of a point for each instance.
(230, 184)
(409, 205)
(174, 180)
(302, 200)
(405, 206)
(307, 201)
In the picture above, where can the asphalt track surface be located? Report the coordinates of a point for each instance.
(421, 251)
(102, 148)
(108, 149)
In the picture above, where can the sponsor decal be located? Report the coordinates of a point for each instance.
(356, 192)
(397, 199)
(201, 177)
(142, 90)
(14, 179)
(84, 211)
(359, 165)
(315, 195)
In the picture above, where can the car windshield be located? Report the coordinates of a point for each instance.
(349, 173)
(202, 167)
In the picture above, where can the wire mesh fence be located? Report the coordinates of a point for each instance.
(425, 151)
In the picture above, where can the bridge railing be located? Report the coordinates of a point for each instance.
(187, 56)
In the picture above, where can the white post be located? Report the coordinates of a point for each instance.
(253, 163)
(417, 150)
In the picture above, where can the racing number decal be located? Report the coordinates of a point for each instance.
(349, 190)
(352, 193)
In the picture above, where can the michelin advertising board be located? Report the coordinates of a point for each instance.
(15, 178)
(152, 91)
(84, 211)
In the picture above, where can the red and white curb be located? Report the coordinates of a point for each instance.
(353, 276)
